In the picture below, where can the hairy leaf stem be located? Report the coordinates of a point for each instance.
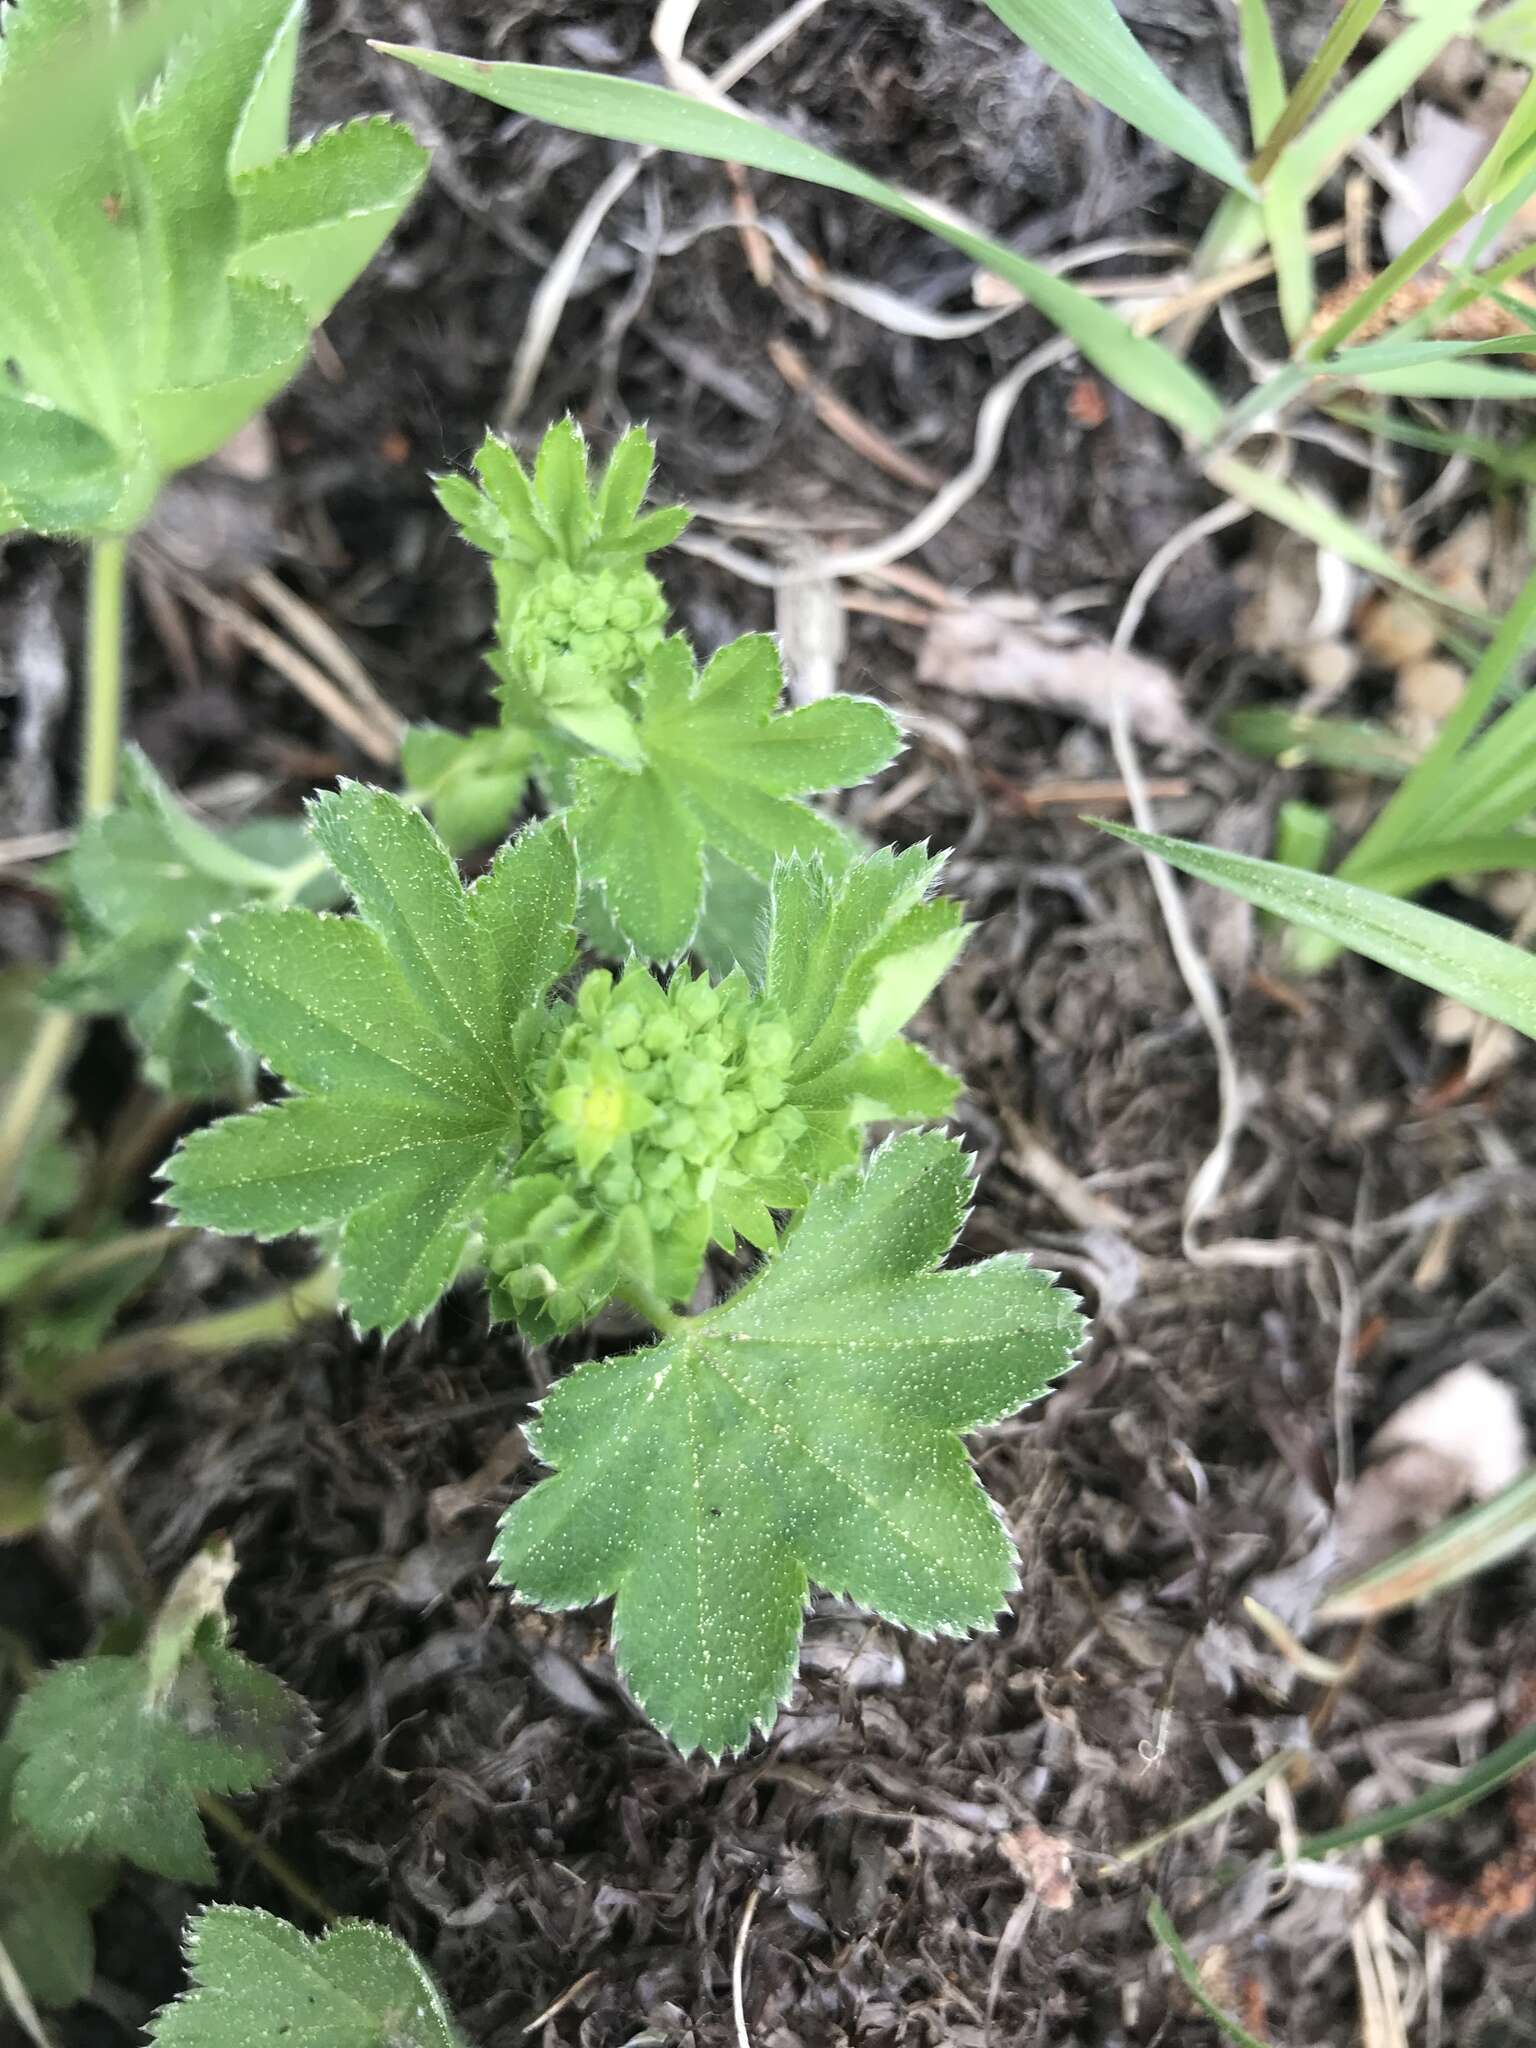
(166, 1348)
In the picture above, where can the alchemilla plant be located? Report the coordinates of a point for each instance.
(457, 1104)
(165, 284)
(645, 1049)
(683, 786)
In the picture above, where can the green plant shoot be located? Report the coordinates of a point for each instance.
(162, 284)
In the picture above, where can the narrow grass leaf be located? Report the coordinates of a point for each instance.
(1516, 464)
(1261, 63)
(1416, 867)
(1422, 796)
(1495, 1769)
(1193, 1982)
(1468, 1543)
(1452, 380)
(1317, 521)
(1297, 739)
(1333, 53)
(1487, 974)
(1366, 99)
(624, 110)
(1089, 44)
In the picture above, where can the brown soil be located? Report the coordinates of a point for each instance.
(482, 1785)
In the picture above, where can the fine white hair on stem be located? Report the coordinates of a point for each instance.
(1205, 1187)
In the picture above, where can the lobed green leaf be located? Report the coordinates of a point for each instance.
(46, 1903)
(162, 276)
(141, 880)
(110, 1767)
(720, 769)
(402, 1024)
(256, 1980)
(807, 1430)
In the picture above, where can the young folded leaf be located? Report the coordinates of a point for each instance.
(716, 767)
(200, 257)
(470, 784)
(115, 1752)
(578, 613)
(141, 880)
(808, 1430)
(402, 1030)
(256, 1980)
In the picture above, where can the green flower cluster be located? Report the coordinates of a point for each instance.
(667, 1121)
(578, 613)
(579, 635)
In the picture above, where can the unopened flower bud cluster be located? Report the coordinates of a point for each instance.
(657, 1098)
(582, 633)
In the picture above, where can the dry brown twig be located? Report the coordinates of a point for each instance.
(376, 736)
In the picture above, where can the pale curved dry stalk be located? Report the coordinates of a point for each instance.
(991, 423)
(992, 419)
(375, 730)
(1205, 1187)
(668, 28)
(13, 1993)
(328, 647)
(739, 1968)
(874, 302)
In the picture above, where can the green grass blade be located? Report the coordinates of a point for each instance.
(1424, 247)
(1454, 380)
(1473, 1542)
(1513, 464)
(1303, 835)
(1296, 739)
(1411, 355)
(1476, 853)
(1261, 63)
(1285, 204)
(1335, 51)
(1491, 788)
(1496, 1769)
(1189, 1973)
(1487, 974)
(1089, 44)
(1317, 521)
(1409, 811)
(1510, 32)
(1373, 92)
(623, 110)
